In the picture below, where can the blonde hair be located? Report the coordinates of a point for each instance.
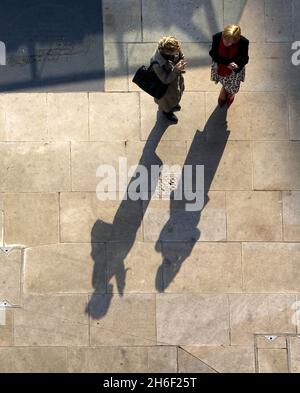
(169, 43)
(232, 32)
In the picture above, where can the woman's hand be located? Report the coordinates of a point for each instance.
(180, 66)
(233, 66)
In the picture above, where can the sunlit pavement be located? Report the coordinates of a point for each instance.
(146, 286)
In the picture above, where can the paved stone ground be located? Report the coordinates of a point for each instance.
(125, 286)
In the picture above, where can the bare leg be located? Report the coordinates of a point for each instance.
(223, 94)
(222, 97)
(230, 98)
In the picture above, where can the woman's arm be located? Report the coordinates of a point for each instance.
(242, 57)
(214, 50)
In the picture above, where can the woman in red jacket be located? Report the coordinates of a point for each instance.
(229, 53)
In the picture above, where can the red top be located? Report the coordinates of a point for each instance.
(229, 52)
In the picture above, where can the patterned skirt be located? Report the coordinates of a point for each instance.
(231, 82)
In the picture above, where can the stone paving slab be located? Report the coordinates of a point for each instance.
(296, 320)
(264, 116)
(86, 157)
(270, 68)
(122, 20)
(199, 319)
(267, 75)
(62, 109)
(115, 63)
(31, 219)
(271, 267)
(194, 21)
(1, 218)
(2, 118)
(272, 361)
(296, 13)
(141, 263)
(269, 50)
(162, 359)
(201, 268)
(129, 320)
(291, 215)
(155, 359)
(108, 360)
(33, 359)
(114, 111)
(10, 267)
(219, 159)
(278, 342)
(47, 269)
(278, 20)
(276, 165)
(25, 117)
(227, 359)
(294, 82)
(47, 167)
(85, 218)
(188, 363)
(295, 354)
(52, 46)
(6, 330)
(260, 314)
(169, 221)
(254, 215)
(57, 320)
(294, 104)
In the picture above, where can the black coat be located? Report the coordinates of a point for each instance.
(241, 58)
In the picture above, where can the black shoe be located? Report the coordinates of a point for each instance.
(177, 108)
(170, 116)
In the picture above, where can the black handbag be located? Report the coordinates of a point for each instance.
(148, 81)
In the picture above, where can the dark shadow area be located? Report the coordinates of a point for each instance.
(52, 45)
(121, 234)
(57, 45)
(180, 234)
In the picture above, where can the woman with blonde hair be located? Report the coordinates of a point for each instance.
(169, 65)
(229, 53)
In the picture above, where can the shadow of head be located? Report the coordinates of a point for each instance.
(98, 304)
(174, 254)
(102, 272)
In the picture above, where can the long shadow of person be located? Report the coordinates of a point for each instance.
(180, 234)
(121, 234)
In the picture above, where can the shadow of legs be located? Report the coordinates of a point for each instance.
(120, 236)
(180, 234)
